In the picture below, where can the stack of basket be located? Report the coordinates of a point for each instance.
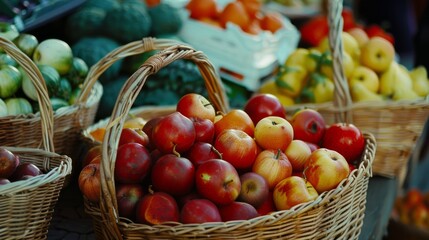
(27, 205)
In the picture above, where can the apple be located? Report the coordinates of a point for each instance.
(173, 175)
(8, 31)
(25, 168)
(27, 43)
(148, 128)
(4, 181)
(367, 77)
(359, 35)
(93, 152)
(127, 196)
(267, 206)
(56, 53)
(196, 105)
(8, 163)
(199, 211)
(157, 208)
(308, 125)
(263, 105)
(273, 165)
(273, 132)
(182, 200)
(413, 196)
(201, 152)
(346, 139)
(218, 181)
(325, 169)
(254, 189)
(292, 191)
(204, 129)
(173, 132)
(298, 153)
(377, 53)
(132, 164)
(129, 135)
(89, 182)
(312, 146)
(234, 119)
(237, 211)
(237, 148)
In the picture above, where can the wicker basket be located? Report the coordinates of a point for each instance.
(27, 205)
(25, 131)
(396, 125)
(336, 214)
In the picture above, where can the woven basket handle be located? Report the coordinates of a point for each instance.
(124, 102)
(342, 98)
(46, 112)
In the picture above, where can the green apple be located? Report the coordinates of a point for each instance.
(10, 80)
(367, 77)
(27, 43)
(8, 31)
(55, 53)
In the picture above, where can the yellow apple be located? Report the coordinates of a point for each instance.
(377, 54)
(292, 191)
(298, 153)
(348, 66)
(350, 45)
(367, 77)
(297, 57)
(273, 132)
(325, 169)
(359, 35)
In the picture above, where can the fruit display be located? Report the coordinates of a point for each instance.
(412, 209)
(62, 72)
(12, 169)
(370, 67)
(196, 165)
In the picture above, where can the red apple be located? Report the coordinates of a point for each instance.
(8, 163)
(298, 152)
(182, 200)
(89, 182)
(273, 132)
(234, 119)
(201, 152)
(267, 206)
(204, 129)
(148, 128)
(157, 208)
(127, 196)
(292, 191)
(199, 211)
(254, 189)
(237, 211)
(196, 105)
(91, 154)
(25, 168)
(136, 135)
(4, 181)
(132, 164)
(325, 169)
(173, 174)
(237, 148)
(218, 181)
(174, 132)
(263, 105)
(273, 165)
(308, 125)
(346, 139)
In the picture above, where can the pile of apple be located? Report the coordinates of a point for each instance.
(195, 165)
(413, 208)
(12, 169)
(370, 68)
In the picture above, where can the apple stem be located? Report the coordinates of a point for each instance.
(150, 190)
(216, 151)
(278, 153)
(227, 183)
(175, 152)
(303, 173)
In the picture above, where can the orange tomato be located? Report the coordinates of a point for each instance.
(252, 7)
(152, 3)
(211, 21)
(98, 134)
(234, 12)
(272, 21)
(253, 28)
(199, 9)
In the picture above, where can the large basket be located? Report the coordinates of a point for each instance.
(68, 122)
(336, 214)
(396, 125)
(27, 205)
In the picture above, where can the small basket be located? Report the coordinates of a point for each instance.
(336, 214)
(396, 125)
(27, 206)
(68, 122)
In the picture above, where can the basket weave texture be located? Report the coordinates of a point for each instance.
(396, 125)
(336, 214)
(27, 205)
(68, 122)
